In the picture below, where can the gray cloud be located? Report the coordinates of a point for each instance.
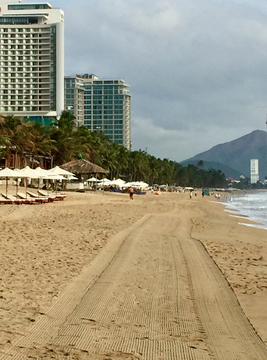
(196, 68)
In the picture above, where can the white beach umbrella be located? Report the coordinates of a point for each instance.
(128, 184)
(118, 182)
(135, 184)
(41, 172)
(46, 174)
(104, 182)
(28, 172)
(8, 173)
(72, 178)
(58, 171)
(92, 179)
(55, 177)
(142, 184)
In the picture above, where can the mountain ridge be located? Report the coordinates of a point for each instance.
(236, 154)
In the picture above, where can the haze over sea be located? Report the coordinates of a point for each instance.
(253, 205)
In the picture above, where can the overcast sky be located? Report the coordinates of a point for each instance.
(197, 69)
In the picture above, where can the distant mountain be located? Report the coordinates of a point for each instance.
(233, 158)
(228, 172)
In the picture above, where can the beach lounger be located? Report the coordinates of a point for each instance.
(46, 194)
(13, 199)
(60, 196)
(54, 196)
(27, 200)
(5, 201)
(38, 198)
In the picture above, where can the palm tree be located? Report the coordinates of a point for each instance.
(200, 164)
(7, 126)
(17, 138)
(83, 141)
(45, 146)
(115, 159)
(155, 169)
(123, 163)
(139, 165)
(24, 143)
(4, 140)
(62, 134)
(22, 140)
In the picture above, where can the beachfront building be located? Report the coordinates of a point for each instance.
(100, 105)
(254, 171)
(74, 98)
(32, 60)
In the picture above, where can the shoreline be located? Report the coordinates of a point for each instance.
(242, 211)
(240, 251)
(45, 247)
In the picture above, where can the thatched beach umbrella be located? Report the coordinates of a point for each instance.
(81, 166)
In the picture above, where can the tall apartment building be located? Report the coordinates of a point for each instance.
(254, 171)
(101, 105)
(31, 59)
(74, 98)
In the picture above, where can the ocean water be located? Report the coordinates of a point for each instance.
(253, 205)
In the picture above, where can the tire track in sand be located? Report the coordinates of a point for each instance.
(155, 294)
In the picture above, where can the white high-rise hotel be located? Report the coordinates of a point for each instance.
(254, 171)
(32, 75)
(31, 59)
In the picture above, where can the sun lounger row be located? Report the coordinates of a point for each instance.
(54, 195)
(11, 199)
(30, 198)
(3, 200)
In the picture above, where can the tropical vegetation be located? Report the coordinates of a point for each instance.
(24, 142)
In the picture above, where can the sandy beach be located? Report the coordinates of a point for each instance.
(45, 247)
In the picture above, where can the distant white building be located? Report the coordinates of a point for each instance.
(254, 171)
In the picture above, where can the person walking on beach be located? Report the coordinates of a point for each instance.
(131, 192)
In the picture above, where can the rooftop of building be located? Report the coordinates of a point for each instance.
(18, 3)
(29, 6)
(95, 79)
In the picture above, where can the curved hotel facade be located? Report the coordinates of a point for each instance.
(31, 59)
(32, 75)
(101, 105)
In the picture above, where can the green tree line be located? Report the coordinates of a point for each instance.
(63, 141)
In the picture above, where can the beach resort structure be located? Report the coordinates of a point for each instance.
(32, 60)
(254, 171)
(100, 105)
